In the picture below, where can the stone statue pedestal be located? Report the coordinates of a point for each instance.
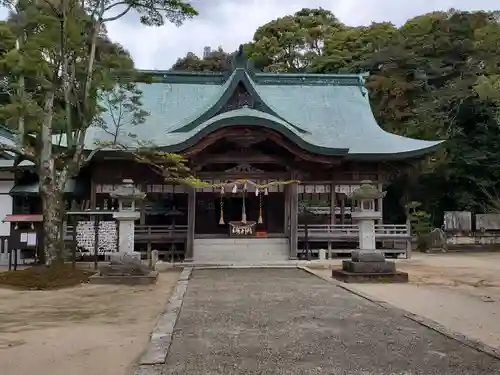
(126, 229)
(125, 268)
(367, 264)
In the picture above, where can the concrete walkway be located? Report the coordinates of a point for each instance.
(286, 321)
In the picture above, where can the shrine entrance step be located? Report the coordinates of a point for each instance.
(246, 250)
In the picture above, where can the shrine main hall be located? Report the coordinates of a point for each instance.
(280, 155)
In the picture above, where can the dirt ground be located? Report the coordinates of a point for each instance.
(459, 291)
(86, 330)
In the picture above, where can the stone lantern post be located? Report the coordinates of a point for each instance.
(127, 195)
(365, 214)
(368, 264)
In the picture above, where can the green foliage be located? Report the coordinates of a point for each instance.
(122, 106)
(64, 51)
(173, 167)
(291, 43)
(55, 80)
(420, 223)
(39, 62)
(215, 61)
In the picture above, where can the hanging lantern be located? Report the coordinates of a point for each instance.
(243, 209)
(221, 220)
(245, 187)
(259, 220)
(235, 189)
(243, 215)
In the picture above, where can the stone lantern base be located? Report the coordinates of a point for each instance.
(369, 266)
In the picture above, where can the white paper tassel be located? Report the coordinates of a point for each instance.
(235, 189)
(265, 191)
(222, 190)
(256, 191)
(245, 187)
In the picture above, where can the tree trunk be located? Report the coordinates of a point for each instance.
(50, 189)
(52, 202)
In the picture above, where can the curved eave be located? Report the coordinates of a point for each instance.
(404, 155)
(205, 114)
(258, 121)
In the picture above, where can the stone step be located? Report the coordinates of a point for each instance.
(237, 241)
(256, 250)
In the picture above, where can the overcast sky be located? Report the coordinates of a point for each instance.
(228, 23)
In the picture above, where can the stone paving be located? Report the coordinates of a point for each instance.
(251, 321)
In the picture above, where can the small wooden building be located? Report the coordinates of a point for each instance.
(249, 135)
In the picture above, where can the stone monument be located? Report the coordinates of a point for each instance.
(368, 264)
(125, 266)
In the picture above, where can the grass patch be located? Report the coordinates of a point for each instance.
(42, 277)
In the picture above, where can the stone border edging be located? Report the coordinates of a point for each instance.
(429, 323)
(161, 337)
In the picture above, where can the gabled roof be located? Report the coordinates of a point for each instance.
(327, 114)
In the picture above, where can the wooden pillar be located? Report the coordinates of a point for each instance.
(92, 195)
(287, 211)
(380, 204)
(191, 224)
(142, 207)
(333, 221)
(342, 209)
(333, 202)
(294, 205)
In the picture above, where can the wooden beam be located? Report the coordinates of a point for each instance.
(237, 158)
(231, 132)
(254, 176)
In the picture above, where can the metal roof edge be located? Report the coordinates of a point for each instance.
(262, 78)
(180, 77)
(258, 122)
(417, 153)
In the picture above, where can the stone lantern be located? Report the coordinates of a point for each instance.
(367, 264)
(127, 195)
(365, 213)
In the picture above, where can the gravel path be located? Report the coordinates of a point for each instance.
(289, 322)
(458, 291)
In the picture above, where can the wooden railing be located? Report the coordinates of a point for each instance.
(146, 233)
(334, 231)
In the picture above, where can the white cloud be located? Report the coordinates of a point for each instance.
(228, 23)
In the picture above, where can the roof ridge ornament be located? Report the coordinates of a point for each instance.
(240, 61)
(362, 82)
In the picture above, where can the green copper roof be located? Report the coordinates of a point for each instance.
(324, 114)
(72, 187)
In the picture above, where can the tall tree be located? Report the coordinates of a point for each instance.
(424, 88)
(290, 43)
(67, 59)
(214, 61)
